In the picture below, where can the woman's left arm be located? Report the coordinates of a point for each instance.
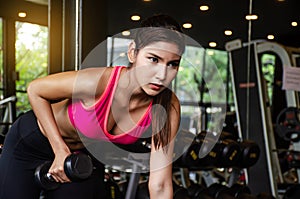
(160, 178)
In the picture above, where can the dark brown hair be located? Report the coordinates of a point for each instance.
(160, 28)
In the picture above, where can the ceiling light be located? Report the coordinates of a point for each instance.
(251, 17)
(126, 33)
(135, 17)
(294, 23)
(146, 0)
(212, 44)
(187, 25)
(228, 32)
(204, 8)
(270, 37)
(22, 14)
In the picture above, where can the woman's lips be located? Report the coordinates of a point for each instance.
(155, 86)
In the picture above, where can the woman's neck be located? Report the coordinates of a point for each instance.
(129, 92)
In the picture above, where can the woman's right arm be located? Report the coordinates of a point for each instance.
(56, 87)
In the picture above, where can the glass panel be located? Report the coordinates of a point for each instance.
(117, 51)
(194, 81)
(31, 59)
(268, 69)
(219, 59)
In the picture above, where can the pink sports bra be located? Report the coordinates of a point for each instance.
(92, 121)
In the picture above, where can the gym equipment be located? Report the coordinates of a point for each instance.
(197, 191)
(240, 191)
(178, 191)
(186, 149)
(249, 155)
(288, 124)
(225, 152)
(293, 159)
(254, 113)
(215, 190)
(77, 166)
(112, 189)
(292, 192)
(220, 191)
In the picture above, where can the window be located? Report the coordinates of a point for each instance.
(268, 71)
(200, 86)
(31, 59)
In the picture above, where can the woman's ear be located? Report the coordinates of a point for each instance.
(131, 53)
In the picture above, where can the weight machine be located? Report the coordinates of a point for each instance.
(255, 112)
(7, 114)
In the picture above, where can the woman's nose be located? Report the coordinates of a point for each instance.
(161, 72)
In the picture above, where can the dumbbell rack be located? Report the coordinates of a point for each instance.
(254, 116)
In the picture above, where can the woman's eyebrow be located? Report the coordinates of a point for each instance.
(155, 55)
(160, 58)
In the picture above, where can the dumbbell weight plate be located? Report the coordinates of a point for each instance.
(45, 182)
(250, 152)
(215, 189)
(78, 166)
(229, 151)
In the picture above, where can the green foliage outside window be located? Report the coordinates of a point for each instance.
(268, 69)
(202, 67)
(31, 59)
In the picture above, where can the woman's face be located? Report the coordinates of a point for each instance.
(156, 65)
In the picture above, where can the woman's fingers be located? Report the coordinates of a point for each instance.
(59, 175)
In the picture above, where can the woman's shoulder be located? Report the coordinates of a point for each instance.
(97, 76)
(95, 73)
(100, 71)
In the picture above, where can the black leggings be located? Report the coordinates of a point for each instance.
(25, 148)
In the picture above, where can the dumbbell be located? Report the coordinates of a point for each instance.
(77, 166)
(186, 150)
(249, 155)
(220, 191)
(216, 190)
(240, 191)
(197, 191)
(178, 191)
(224, 153)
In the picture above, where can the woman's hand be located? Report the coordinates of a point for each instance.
(57, 168)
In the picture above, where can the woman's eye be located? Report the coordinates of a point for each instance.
(153, 59)
(173, 65)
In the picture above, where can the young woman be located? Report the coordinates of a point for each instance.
(111, 104)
